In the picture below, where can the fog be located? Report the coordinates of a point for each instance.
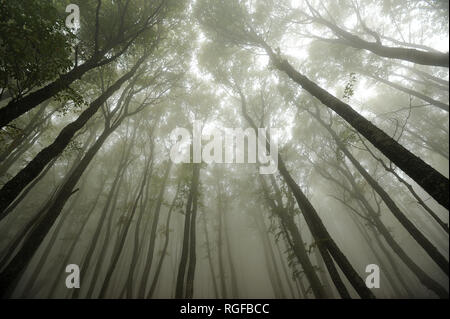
(134, 137)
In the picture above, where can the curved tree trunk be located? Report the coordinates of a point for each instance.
(429, 248)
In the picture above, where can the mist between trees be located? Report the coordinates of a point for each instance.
(357, 89)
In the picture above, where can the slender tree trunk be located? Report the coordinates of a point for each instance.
(13, 271)
(233, 275)
(181, 275)
(389, 257)
(269, 255)
(323, 274)
(71, 249)
(406, 54)
(424, 75)
(124, 233)
(408, 91)
(210, 260)
(165, 246)
(223, 285)
(111, 201)
(285, 271)
(374, 216)
(291, 229)
(321, 236)
(429, 248)
(153, 230)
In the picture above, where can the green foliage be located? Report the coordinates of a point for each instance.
(349, 87)
(35, 45)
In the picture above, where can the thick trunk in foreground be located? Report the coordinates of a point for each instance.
(429, 248)
(15, 185)
(423, 174)
(295, 238)
(13, 271)
(153, 231)
(181, 289)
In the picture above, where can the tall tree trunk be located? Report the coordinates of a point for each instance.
(429, 248)
(325, 243)
(288, 224)
(285, 271)
(181, 275)
(233, 276)
(410, 188)
(424, 75)
(13, 271)
(15, 185)
(111, 201)
(165, 245)
(408, 91)
(427, 177)
(124, 233)
(153, 231)
(270, 259)
(210, 260)
(223, 283)
(398, 274)
(193, 236)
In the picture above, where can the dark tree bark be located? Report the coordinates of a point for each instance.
(15, 185)
(325, 243)
(124, 233)
(408, 91)
(427, 177)
(406, 54)
(66, 260)
(184, 288)
(165, 245)
(410, 188)
(429, 248)
(210, 259)
(154, 226)
(123, 163)
(269, 256)
(193, 236)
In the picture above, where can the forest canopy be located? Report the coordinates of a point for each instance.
(290, 149)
